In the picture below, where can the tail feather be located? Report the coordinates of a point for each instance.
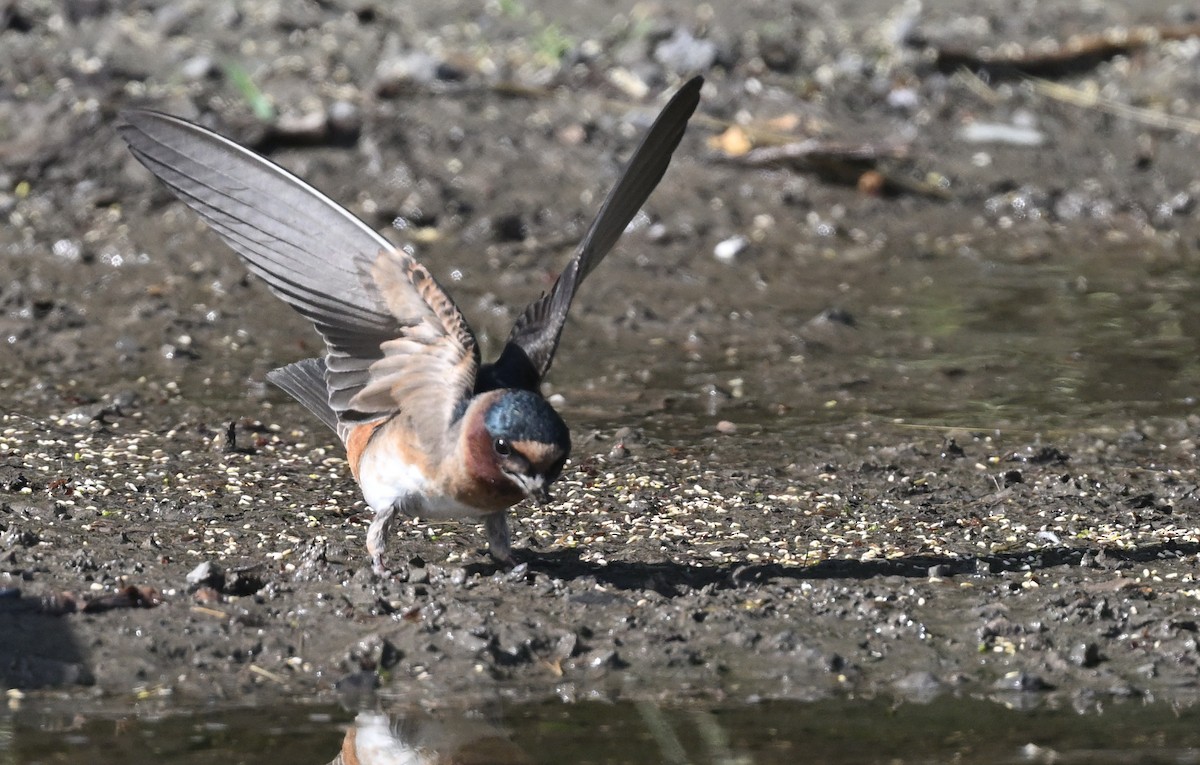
(305, 382)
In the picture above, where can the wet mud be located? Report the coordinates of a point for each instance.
(921, 427)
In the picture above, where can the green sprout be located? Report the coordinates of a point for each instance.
(258, 101)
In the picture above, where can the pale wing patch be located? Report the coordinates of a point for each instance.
(429, 370)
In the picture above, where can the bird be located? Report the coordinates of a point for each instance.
(429, 430)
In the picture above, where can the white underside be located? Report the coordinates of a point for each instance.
(388, 481)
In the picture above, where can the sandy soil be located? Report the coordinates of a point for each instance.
(930, 431)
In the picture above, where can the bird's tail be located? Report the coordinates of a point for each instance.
(305, 382)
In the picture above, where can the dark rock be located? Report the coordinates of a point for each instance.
(207, 574)
(1085, 655)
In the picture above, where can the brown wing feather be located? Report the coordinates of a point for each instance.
(427, 373)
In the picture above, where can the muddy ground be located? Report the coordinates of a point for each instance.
(930, 430)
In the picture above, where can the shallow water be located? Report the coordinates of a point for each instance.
(979, 340)
(947, 730)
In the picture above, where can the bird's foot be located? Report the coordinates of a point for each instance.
(500, 540)
(379, 567)
(377, 535)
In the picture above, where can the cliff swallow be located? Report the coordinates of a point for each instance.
(428, 430)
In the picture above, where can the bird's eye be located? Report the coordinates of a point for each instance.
(502, 447)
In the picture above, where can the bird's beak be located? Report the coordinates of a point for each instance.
(536, 487)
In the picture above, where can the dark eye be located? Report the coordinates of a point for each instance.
(502, 447)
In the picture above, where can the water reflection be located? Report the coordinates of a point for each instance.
(945, 730)
(965, 730)
(424, 738)
(649, 733)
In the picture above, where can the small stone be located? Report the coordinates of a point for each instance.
(404, 71)
(345, 119)
(418, 573)
(726, 427)
(1049, 537)
(1022, 682)
(565, 647)
(728, 250)
(519, 572)
(1085, 655)
(468, 642)
(207, 574)
(573, 134)
(618, 453)
(309, 128)
(629, 83)
(198, 68)
(1000, 133)
(985, 566)
(658, 233)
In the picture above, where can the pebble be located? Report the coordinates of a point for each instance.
(1086, 655)
(1022, 682)
(207, 574)
(344, 118)
(728, 250)
(996, 132)
(418, 574)
(629, 83)
(395, 73)
(198, 68)
(310, 127)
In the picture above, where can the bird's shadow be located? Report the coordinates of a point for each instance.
(672, 579)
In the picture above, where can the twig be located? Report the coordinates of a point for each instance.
(1090, 100)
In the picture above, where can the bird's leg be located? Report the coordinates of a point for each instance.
(499, 538)
(377, 536)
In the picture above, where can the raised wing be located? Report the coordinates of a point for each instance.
(316, 255)
(428, 370)
(530, 348)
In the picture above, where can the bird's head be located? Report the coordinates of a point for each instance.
(519, 445)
